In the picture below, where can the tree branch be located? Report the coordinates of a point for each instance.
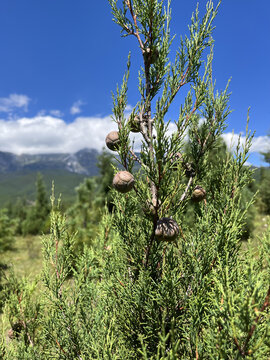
(134, 17)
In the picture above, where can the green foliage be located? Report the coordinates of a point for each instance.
(239, 322)
(92, 196)
(7, 230)
(21, 184)
(36, 221)
(264, 184)
(216, 160)
(167, 306)
(104, 180)
(264, 190)
(163, 293)
(18, 211)
(65, 318)
(84, 214)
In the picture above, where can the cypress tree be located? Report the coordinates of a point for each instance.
(42, 201)
(181, 290)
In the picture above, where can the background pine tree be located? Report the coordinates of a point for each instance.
(36, 221)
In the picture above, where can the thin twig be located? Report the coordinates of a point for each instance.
(182, 83)
(185, 193)
(188, 116)
(136, 158)
(134, 17)
(238, 346)
(253, 327)
(150, 244)
(63, 351)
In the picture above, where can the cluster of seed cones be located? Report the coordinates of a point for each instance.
(123, 181)
(167, 228)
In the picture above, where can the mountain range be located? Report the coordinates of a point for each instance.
(82, 162)
(18, 174)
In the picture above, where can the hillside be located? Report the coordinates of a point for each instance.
(21, 184)
(18, 173)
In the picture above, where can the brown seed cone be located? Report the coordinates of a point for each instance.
(123, 181)
(189, 170)
(176, 159)
(198, 194)
(11, 334)
(151, 55)
(135, 124)
(167, 229)
(112, 140)
(15, 330)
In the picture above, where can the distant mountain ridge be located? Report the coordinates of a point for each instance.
(82, 162)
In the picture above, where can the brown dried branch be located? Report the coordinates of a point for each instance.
(149, 246)
(238, 346)
(147, 131)
(185, 193)
(134, 17)
(60, 347)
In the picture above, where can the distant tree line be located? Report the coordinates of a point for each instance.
(25, 217)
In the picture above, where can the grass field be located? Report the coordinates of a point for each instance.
(26, 256)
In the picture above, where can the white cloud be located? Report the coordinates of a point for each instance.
(76, 107)
(56, 113)
(129, 108)
(14, 101)
(41, 113)
(48, 134)
(259, 143)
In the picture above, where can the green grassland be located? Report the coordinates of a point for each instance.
(22, 185)
(26, 256)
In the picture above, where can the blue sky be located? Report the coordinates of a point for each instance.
(60, 59)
